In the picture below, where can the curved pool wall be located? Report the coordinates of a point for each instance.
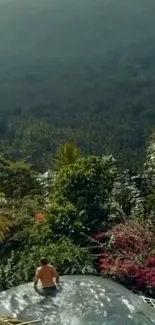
(83, 300)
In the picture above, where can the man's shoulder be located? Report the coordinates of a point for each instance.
(51, 266)
(38, 269)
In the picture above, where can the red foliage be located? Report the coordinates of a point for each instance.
(128, 257)
(100, 236)
(40, 217)
(131, 237)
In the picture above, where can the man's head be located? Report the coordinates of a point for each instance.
(43, 261)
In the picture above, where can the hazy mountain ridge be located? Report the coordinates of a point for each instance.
(80, 64)
(71, 28)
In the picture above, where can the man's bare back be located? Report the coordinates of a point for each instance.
(47, 275)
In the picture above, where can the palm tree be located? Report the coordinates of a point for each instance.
(66, 154)
(5, 225)
(149, 165)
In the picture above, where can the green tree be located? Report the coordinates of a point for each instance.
(17, 179)
(135, 192)
(149, 165)
(5, 221)
(85, 187)
(66, 154)
(5, 225)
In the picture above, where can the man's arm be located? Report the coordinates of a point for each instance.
(36, 279)
(56, 274)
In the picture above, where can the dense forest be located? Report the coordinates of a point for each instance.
(77, 101)
(70, 75)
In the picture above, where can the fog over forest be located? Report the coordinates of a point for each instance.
(86, 65)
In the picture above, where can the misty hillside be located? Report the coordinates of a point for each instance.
(86, 64)
(36, 29)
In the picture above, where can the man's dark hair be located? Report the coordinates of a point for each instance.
(43, 261)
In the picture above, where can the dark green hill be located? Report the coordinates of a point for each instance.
(86, 65)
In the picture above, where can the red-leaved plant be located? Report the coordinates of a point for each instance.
(128, 257)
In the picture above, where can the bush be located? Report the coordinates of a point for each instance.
(67, 257)
(85, 188)
(128, 257)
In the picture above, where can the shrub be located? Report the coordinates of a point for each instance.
(67, 257)
(128, 257)
(85, 188)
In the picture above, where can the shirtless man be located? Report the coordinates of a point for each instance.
(47, 275)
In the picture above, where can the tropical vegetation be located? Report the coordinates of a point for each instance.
(86, 214)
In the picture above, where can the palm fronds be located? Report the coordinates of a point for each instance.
(66, 154)
(15, 321)
(5, 225)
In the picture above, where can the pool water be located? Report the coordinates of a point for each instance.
(83, 300)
